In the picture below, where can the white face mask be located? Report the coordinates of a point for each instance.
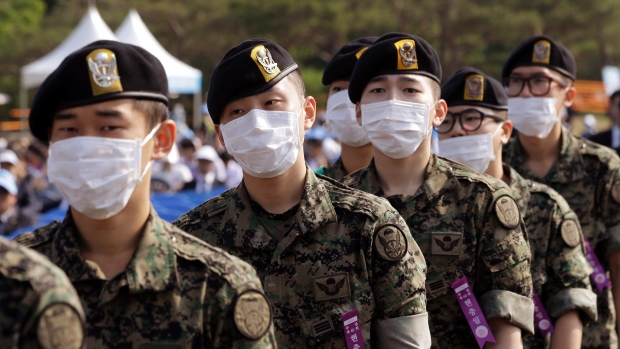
(475, 151)
(396, 128)
(97, 175)
(534, 116)
(340, 118)
(264, 143)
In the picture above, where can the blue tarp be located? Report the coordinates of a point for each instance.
(168, 206)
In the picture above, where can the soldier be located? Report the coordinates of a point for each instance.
(340, 114)
(338, 265)
(560, 271)
(467, 224)
(539, 77)
(38, 306)
(143, 283)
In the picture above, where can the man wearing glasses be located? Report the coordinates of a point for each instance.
(538, 78)
(559, 267)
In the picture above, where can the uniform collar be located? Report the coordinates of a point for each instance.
(315, 210)
(152, 267)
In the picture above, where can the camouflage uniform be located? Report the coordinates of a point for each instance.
(453, 218)
(335, 171)
(560, 271)
(587, 176)
(176, 292)
(38, 306)
(341, 249)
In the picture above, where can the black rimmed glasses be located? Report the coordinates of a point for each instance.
(469, 119)
(539, 85)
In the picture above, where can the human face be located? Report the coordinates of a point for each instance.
(205, 166)
(403, 87)
(7, 201)
(558, 88)
(337, 86)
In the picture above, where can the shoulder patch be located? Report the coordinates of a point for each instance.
(507, 212)
(390, 242)
(615, 192)
(252, 314)
(59, 327)
(570, 233)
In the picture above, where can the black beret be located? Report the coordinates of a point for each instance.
(341, 65)
(470, 86)
(249, 68)
(542, 51)
(100, 71)
(394, 53)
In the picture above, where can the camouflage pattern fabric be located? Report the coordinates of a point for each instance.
(336, 170)
(176, 292)
(38, 306)
(345, 250)
(560, 271)
(586, 175)
(454, 218)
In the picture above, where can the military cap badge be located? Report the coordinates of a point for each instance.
(360, 52)
(263, 59)
(407, 57)
(542, 52)
(474, 88)
(103, 72)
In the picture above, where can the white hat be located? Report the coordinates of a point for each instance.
(9, 156)
(207, 152)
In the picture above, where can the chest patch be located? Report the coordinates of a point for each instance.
(447, 244)
(331, 287)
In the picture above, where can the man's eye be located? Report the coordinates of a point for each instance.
(237, 111)
(377, 90)
(109, 128)
(271, 102)
(410, 90)
(337, 89)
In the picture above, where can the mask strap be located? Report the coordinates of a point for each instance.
(497, 130)
(150, 135)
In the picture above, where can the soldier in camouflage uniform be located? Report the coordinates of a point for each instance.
(143, 283)
(38, 306)
(584, 173)
(329, 257)
(466, 223)
(340, 114)
(560, 271)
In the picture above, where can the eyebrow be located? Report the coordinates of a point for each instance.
(379, 78)
(408, 79)
(105, 113)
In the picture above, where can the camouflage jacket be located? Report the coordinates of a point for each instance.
(176, 292)
(345, 250)
(335, 171)
(587, 175)
(560, 271)
(38, 306)
(466, 224)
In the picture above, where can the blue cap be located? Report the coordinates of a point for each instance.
(316, 133)
(7, 181)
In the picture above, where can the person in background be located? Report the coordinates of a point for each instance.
(611, 137)
(170, 174)
(11, 216)
(27, 200)
(211, 169)
(473, 133)
(313, 147)
(356, 150)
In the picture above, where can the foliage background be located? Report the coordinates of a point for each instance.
(199, 32)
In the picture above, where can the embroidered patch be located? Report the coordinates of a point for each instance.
(407, 57)
(542, 52)
(322, 327)
(390, 243)
(507, 212)
(435, 288)
(570, 233)
(361, 52)
(331, 287)
(615, 192)
(103, 75)
(474, 88)
(60, 327)
(267, 66)
(252, 314)
(447, 244)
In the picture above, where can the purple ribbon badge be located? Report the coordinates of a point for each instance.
(352, 332)
(473, 314)
(598, 275)
(541, 318)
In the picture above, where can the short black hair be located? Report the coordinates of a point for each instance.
(614, 95)
(298, 80)
(187, 143)
(156, 112)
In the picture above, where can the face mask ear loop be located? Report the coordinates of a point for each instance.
(493, 136)
(139, 157)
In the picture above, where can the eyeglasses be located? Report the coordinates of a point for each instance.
(469, 119)
(538, 85)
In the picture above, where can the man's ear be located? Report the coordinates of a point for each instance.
(164, 139)
(358, 113)
(506, 131)
(441, 109)
(569, 97)
(310, 112)
(218, 131)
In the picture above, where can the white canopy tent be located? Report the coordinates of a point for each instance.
(181, 77)
(91, 28)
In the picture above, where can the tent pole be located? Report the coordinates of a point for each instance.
(197, 111)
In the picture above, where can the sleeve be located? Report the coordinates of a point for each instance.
(240, 316)
(398, 268)
(568, 286)
(505, 281)
(609, 208)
